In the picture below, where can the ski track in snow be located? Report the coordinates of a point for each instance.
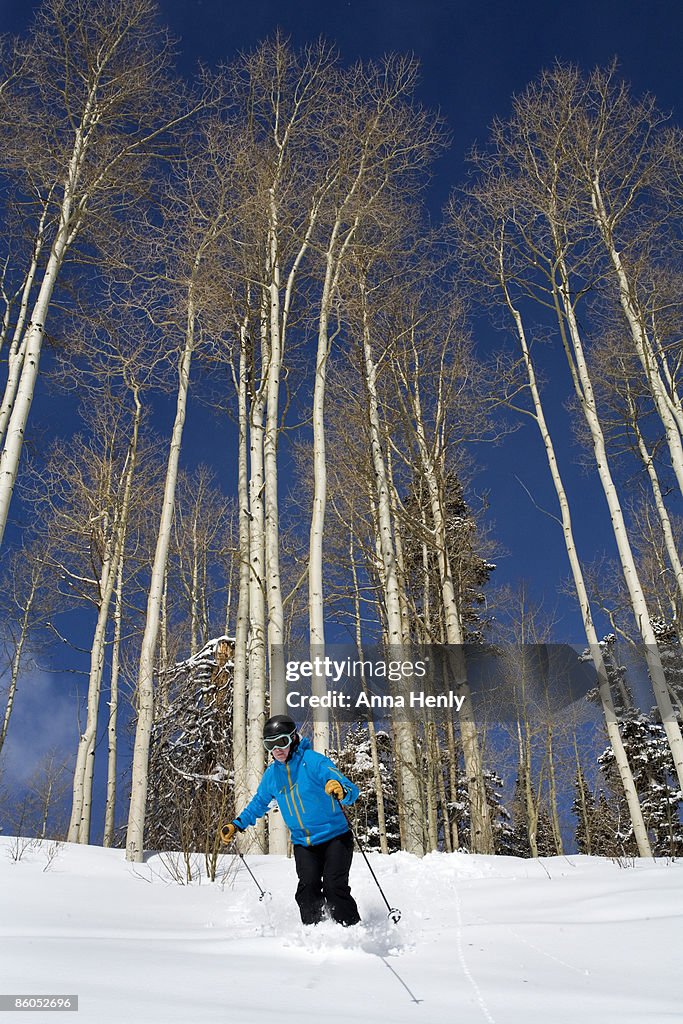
(463, 962)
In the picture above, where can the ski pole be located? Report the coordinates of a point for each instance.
(264, 894)
(394, 914)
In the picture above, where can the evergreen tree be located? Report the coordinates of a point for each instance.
(650, 755)
(471, 571)
(515, 840)
(503, 829)
(612, 832)
(669, 644)
(651, 761)
(191, 752)
(355, 761)
(500, 816)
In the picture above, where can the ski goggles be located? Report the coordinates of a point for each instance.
(278, 742)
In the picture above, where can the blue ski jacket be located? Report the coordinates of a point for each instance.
(298, 786)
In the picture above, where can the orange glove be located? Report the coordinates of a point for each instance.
(335, 789)
(228, 833)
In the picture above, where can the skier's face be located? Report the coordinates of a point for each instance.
(280, 753)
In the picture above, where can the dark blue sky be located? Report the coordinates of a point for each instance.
(474, 55)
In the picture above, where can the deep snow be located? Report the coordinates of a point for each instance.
(502, 940)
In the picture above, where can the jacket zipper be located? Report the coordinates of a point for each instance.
(291, 789)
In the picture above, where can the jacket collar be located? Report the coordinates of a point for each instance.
(296, 754)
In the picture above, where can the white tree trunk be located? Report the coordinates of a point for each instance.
(17, 349)
(334, 257)
(398, 547)
(16, 661)
(431, 791)
(145, 689)
(239, 698)
(662, 512)
(16, 426)
(614, 736)
(256, 701)
(482, 828)
(413, 817)
(196, 640)
(81, 807)
(452, 779)
(530, 805)
(14, 368)
(79, 825)
(552, 785)
(110, 806)
(585, 394)
(316, 607)
(660, 395)
(372, 733)
(277, 830)
(35, 330)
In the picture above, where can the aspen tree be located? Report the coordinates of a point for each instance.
(623, 150)
(258, 642)
(17, 343)
(354, 507)
(574, 350)
(372, 732)
(404, 733)
(79, 825)
(620, 391)
(197, 213)
(410, 365)
(484, 230)
(112, 719)
(281, 172)
(82, 119)
(551, 234)
(26, 605)
(385, 145)
(239, 705)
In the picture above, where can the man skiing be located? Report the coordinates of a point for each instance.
(308, 789)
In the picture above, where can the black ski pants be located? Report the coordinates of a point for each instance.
(323, 872)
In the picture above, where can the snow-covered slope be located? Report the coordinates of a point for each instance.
(481, 939)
